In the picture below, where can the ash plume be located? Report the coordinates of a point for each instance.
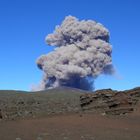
(82, 53)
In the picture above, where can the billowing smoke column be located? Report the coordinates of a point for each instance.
(82, 53)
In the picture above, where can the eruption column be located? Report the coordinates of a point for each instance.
(82, 53)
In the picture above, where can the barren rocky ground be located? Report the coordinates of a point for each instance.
(69, 114)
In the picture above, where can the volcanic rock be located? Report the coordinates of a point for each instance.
(20, 105)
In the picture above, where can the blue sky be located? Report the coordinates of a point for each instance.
(25, 23)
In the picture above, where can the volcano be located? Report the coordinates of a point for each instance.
(69, 113)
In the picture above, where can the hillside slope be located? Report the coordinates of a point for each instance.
(20, 104)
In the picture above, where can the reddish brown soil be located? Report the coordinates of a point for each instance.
(73, 127)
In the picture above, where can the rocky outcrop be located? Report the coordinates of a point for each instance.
(110, 102)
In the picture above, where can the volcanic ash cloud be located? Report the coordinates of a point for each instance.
(82, 53)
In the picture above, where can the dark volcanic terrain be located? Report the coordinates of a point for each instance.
(70, 114)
